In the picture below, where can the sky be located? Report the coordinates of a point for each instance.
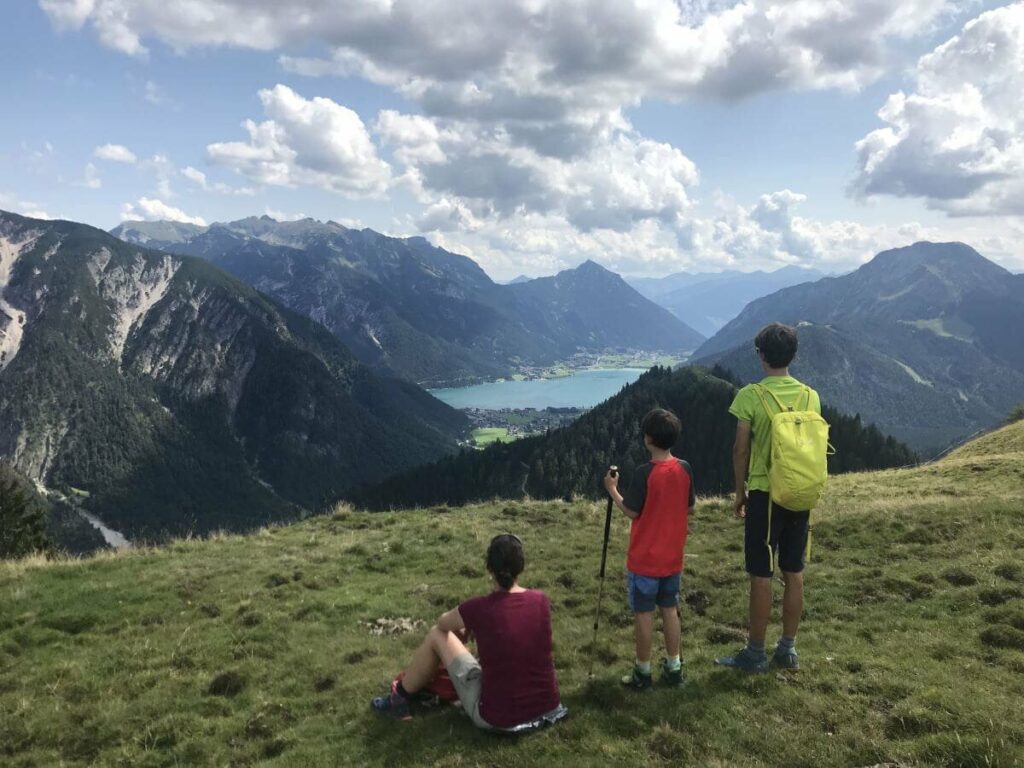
(653, 136)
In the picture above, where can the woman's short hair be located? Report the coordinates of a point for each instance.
(505, 559)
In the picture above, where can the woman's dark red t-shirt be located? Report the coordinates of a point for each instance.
(513, 635)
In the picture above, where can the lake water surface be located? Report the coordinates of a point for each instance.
(583, 389)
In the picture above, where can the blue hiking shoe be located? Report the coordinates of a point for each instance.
(637, 680)
(394, 705)
(745, 661)
(786, 659)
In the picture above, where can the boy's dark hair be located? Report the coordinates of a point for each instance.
(662, 427)
(778, 343)
(505, 559)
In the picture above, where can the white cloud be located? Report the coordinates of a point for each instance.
(115, 153)
(24, 207)
(283, 216)
(957, 140)
(154, 94)
(91, 178)
(194, 175)
(314, 142)
(150, 209)
(199, 178)
(635, 47)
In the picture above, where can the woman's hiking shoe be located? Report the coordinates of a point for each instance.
(786, 659)
(394, 705)
(671, 677)
(637, 680)
(744, 661)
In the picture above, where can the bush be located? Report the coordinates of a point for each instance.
(1017, 414)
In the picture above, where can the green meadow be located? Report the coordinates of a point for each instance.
(265, 649)
(487, 435)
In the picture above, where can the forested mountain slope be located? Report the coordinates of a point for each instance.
(167, 396)
(571, 461)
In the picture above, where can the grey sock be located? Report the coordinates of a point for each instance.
(786, 644)
(755, 648)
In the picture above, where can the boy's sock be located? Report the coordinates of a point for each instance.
(755, 648)
(643, 667)
(786, 645)
(673, 663)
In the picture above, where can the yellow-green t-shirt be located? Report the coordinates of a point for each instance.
(747, 407)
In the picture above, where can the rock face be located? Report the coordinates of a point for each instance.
(420, 312)
(923, 341)
(171, 397)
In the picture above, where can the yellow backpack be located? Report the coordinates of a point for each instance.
(798, 460)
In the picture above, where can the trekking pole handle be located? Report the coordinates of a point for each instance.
(614, 471)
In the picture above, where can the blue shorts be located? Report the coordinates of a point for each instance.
(649, 592)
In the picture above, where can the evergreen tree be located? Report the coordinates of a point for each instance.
(22, 519)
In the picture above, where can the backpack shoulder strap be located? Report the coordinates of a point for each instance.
(807, 398)
(761, 390)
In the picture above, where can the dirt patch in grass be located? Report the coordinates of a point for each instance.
(71, 623)
(323, 683)
(1003, 636)
(355, 657)
(725, 635)
(276, 580)
(958, 577)
(698, 601)
(228, 684)
(1009, 571)
(566, 579)
(998, 595)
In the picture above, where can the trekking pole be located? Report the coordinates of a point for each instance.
(604, 557)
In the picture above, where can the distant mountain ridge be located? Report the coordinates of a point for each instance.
(406, 307)
(919, 340)
(167, 396)
(707, 301)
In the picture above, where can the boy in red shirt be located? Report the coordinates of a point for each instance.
(658, 502)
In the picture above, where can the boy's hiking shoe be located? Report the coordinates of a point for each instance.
(637, 680)
(394, 705)
(744, 661)
(786, 659)
(671, 677)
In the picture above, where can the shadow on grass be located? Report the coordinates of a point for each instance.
(599, 710)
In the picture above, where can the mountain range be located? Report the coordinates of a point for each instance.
(413, 310)
(708, 300)
(923, 341)
(167, 396)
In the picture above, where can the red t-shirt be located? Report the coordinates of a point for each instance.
(513, 637)
(662, 492)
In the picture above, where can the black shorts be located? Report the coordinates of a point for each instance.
(788, 541)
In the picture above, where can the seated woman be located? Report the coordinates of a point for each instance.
(512, 687)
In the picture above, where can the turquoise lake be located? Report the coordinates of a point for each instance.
(583, 389)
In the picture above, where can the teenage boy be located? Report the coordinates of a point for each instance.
(786, 542)
(658, 502)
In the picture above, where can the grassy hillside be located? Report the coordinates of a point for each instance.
(262, 649)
